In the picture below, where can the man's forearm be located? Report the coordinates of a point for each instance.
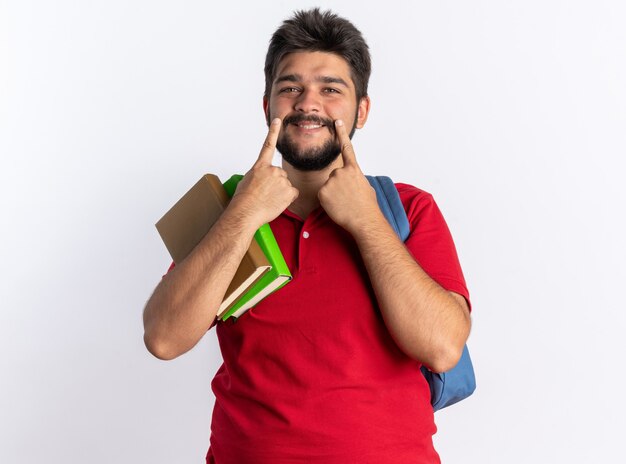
(184, 304)
(427, 322)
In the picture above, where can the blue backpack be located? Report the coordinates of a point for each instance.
(458, 383)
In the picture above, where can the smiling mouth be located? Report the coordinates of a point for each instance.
(308, 126)
(310, 123)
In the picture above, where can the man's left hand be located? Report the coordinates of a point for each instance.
(347, 197)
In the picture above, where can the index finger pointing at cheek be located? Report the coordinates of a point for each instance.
(347, 152)
(269, 146)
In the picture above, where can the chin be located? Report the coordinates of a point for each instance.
(315, 159)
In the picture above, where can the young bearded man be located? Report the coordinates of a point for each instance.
(326, 370)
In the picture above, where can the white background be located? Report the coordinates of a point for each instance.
(512, 114)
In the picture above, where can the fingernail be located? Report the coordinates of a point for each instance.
(339, 122)
(276, 121)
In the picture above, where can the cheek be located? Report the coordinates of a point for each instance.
(347, 115)
(278, 111)
(271, 109)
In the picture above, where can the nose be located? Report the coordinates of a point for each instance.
(308, 102)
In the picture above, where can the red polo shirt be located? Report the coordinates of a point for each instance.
(311, 373)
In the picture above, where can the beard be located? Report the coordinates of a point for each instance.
(315, 158)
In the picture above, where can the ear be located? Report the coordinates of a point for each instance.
(266, 109)
(363, 110)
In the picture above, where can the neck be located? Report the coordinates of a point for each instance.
(308, 184)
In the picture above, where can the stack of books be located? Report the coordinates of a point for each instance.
(263, 269)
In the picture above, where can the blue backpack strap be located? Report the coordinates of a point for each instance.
(446, 388)
(390, 204)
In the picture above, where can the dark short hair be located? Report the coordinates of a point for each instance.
(317, 31)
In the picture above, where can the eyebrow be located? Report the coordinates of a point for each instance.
(323, 79)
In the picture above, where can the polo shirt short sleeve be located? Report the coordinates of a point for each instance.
(311, 373)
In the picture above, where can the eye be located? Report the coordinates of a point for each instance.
(289, 90)
(331, 90)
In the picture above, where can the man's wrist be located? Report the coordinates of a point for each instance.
(364, 224)
(241, 218)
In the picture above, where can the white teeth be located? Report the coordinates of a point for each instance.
(310, 126)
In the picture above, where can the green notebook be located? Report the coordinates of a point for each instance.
(273, 279)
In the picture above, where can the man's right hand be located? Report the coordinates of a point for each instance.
(265, 190)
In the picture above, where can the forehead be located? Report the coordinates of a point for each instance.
(311, 66)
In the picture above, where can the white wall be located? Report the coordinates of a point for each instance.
(512, 113)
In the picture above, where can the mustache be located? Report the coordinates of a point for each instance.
(298, 118)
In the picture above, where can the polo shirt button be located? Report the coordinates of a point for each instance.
(305, 234)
